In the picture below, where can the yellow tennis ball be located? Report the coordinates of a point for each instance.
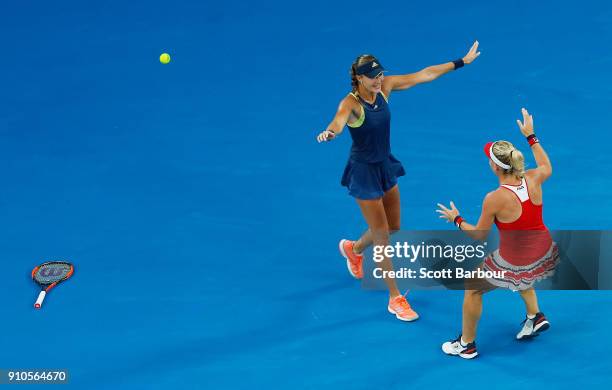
(164, 58)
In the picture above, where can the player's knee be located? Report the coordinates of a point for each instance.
(474, 293)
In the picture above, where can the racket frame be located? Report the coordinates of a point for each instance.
(46, 287)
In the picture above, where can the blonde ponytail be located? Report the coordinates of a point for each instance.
(508, 154)
(517, 162)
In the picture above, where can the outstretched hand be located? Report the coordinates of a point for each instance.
(325, 136)
(472, 54)
(448, 214)
(527, 125)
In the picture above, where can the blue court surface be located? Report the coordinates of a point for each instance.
(203, 218)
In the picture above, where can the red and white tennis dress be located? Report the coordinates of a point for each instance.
(526, 251)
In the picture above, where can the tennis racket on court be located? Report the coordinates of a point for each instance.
(49, 275)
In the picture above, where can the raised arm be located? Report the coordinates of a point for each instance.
(480, 231)
(398, 83)
(544, 169)
(337, 124)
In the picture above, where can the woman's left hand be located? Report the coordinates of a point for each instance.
(472, 54)
(448, 214)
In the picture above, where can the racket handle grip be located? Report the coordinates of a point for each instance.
(41, 298)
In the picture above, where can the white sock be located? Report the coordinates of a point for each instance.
(531, 316)
(463, 343)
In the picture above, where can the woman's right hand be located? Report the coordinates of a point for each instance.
(527, 125)
(446, 213)
(325, 136)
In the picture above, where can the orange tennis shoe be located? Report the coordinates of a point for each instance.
(401, 308)
(354, 261)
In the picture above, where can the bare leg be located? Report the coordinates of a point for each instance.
(531, 301)
(374, 214)
(363, 242)
(472, 310)
(391, 203)
(472, 306)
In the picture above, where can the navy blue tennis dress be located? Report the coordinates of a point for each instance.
(371, 169)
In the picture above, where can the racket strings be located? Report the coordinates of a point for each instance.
(51, 273)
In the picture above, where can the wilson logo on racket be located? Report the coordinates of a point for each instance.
(49, 275)
(48, 271)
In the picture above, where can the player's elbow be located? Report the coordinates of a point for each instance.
(547, 171)
(480, 235)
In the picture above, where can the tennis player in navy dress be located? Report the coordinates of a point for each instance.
(372, 171)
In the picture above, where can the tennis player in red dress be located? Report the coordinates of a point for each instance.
(526, 253)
